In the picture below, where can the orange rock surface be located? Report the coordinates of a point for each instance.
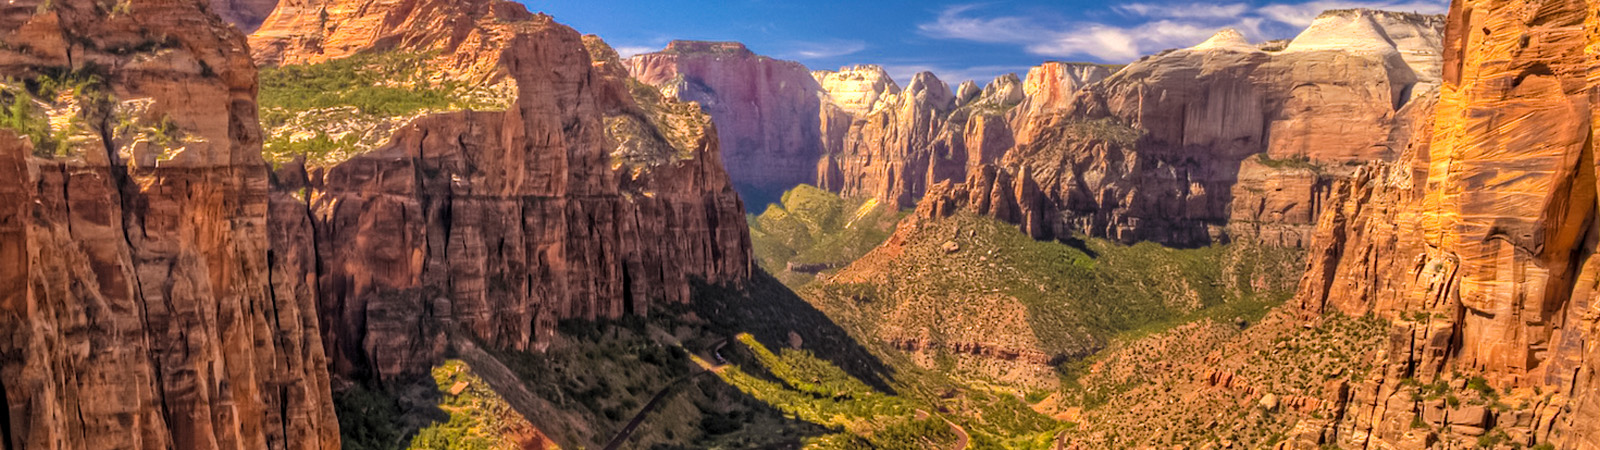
(1479, 243)
(1218, 142)
(767, 110)
(140, 290)
(587, 198)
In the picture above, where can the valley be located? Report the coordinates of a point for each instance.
(465, 224)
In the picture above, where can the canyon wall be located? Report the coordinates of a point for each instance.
(245, 14)
(147, 300)
(1225, 140)
(920, 137)
(592, 196)
(1479, 244)
(767, 110)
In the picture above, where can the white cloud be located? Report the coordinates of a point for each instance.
(830, 49)
(1151, 26)
(626, 51)
(1184, 10)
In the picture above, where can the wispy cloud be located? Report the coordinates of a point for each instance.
(825, 49)
(1189, 10)
(626, 51)
(1146, 28)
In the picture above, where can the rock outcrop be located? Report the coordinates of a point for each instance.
(1479, 244)
(147, 300)
(592, 196)
(467, 36)
(766, 109)
(1217, 142)
(857, 89)
(917, 138)
(245, 14)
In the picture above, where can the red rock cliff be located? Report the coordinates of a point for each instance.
(766, 109)
(1479, 245)
(591, 197)
(908, 141)
(143, 294)
(1221, 141)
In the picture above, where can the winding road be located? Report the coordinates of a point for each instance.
(655, 401)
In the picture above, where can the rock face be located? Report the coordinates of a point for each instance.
(591, 197)
(468, 35)
(920, 137)
(857, 89)
(766, 110)
(245, 14)
(1217, 142)
(1049, 89)
(1479, 245)
(146, 299)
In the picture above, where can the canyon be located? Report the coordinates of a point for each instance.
(168, 287)
(1377, 235)
(1226, 140)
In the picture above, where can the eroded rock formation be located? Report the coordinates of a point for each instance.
(147, 300)
(1480, 245)
(1221, 141)
(468, 36)
(590, 197)
(766, 109)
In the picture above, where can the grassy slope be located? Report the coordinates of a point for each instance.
(817, 228)
(1075, 297)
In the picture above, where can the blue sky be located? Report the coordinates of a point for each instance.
(956, 40)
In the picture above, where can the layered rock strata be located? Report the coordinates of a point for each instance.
(1479, 246)
(1217, 142)
(147, 300)
(913, 139)
(468, 37)
(767, 110)
(592, 196)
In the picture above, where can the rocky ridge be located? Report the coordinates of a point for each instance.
(767, 110)
(1213, 143)
(591, 196)
(1477, 245)
(149, 292)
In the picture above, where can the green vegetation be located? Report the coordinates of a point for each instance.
(601, 374)
(1077, 295)
(369, 419)
(382, 84)
(1292, 162)
(1106, 129)
(815, 231)
(81, 92)
(479, 418)
(329, 111)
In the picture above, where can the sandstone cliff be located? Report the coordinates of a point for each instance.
(467, 36)
(1217, 142)
(766, 109)
(1479, 244)
(591, 196)
(147, 299)
(245, 14)
(911, 140)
